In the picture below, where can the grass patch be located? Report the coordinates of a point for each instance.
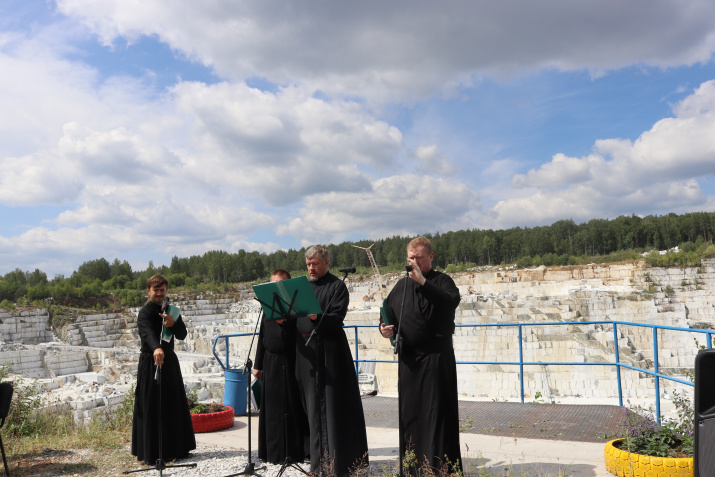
(42, 438)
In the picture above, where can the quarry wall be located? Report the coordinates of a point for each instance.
(91, 362)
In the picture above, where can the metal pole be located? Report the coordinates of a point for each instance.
(357, 355)
(521, 365)
(618, 365)
(657, 379)
(228, 366)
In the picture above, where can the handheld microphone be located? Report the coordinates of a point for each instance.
(165, 305)
(408, 268)
(347, 270)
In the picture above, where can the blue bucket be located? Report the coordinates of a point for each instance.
(235, 392)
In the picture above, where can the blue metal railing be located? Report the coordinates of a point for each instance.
(521, 363)
(226, 337)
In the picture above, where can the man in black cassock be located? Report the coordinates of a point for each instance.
(177, 429)
(326, 374)
(427, 376)
(280, 396)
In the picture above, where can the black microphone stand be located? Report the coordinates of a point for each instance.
(288, 460)
(276, 307)
(398, 352)
(317, 327)
(250, 466)
(160, 464)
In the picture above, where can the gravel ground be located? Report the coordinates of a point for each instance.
(216, 461)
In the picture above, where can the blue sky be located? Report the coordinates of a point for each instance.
(145, 130)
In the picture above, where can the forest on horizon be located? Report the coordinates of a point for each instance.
(561, 243)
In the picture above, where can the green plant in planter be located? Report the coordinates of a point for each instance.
(205, 408)
(672, 438)
(196, 407)
(192, 397)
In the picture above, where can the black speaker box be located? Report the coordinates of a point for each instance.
(704, 445)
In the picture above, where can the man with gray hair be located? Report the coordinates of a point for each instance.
(326, 375)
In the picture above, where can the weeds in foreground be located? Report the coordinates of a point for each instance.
(671, 438)
(412, 466)
(43, 438)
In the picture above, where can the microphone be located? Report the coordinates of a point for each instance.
(347, 270)
(408, 268)
(165, 305)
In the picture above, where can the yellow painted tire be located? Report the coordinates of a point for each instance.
(625, 464)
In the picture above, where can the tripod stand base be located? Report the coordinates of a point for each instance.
(250, 469)
(289, 463)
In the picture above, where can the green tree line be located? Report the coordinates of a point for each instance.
(561, 243)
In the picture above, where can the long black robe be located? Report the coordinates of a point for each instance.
(177, 430)
(328, 382)
(428, 370)
(279, 389)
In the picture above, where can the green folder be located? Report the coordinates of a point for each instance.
(166, 332)
(387, 318)
(256, 389)
(294, 297)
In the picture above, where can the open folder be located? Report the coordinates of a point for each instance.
(287, 298)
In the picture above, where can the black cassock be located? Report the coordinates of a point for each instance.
(279, 389)
(177, 430)
(428, 370)
(329, 386)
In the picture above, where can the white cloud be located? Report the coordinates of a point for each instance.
(283, 146)
(41, 178)
(657, 172)
(431, 161)
(406, 50)
(398, 205)
(114, 156)
(561, 170)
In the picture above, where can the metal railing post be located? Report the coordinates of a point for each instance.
(618, 365)
(357, 355)
(710, 340)
(521, 364)
(228, 366)
(657, 379)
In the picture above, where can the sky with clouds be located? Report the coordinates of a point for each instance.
(143, 129)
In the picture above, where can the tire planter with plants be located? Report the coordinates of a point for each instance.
(627, 464)
(213, 421)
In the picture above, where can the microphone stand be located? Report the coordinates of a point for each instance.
(160, 464)
(288, 460)
(398, 352)
(250, 466)
(277, 307)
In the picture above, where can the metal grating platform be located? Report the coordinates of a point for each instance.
(581, 423)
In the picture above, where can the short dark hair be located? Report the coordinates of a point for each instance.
(281, 273)
(156, 281)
